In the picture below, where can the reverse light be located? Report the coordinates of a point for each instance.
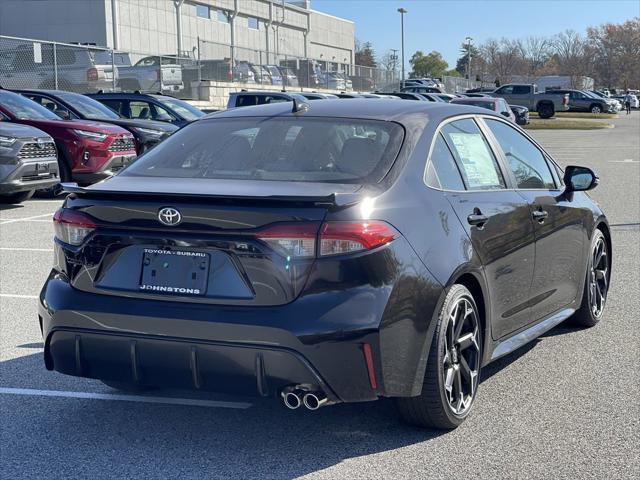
(72, 227)
(347, 237)
(291, 240)
(88, 134)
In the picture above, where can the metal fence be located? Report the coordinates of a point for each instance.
(28, 63)
(224, 63)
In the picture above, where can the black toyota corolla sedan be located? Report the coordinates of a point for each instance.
(324, 253)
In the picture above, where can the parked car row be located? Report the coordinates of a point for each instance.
(49, 136)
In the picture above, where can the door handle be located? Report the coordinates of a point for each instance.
(540, 215)
(477, 218)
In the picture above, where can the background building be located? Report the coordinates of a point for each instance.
(209, 28)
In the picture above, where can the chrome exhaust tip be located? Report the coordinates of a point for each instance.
(291, 400)
(313, 401)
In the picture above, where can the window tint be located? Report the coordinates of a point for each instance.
(521, 89)
(507, 90)
(525, 160)
(264, 99)
(141, 110)
(479, 167)
(277, 148)
(115, 105)
(246, 100)
(442, 171)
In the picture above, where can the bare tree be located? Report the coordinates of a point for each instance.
(571, 50)
(535, 52)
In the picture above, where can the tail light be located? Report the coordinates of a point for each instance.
(347, 237)
(300, 240)
(72, 227)
(292, 240)
(92, 75)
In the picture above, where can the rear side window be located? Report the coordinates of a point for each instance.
(521, 89)
(246, 100)
(115, 105)
(286, 149)
(525, 160)
(442, 171)
(479, 167)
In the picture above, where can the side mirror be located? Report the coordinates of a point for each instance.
(578, 179)
(505, 114)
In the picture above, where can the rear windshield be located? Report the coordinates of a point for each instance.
(305, 149)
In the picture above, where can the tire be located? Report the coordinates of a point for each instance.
(546, 110)
(126, 387)
(16, 198)
(434, 407)
(596, 284)
(595, 109)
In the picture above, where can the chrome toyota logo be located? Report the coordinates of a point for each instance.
(169, 216)
(40, 143)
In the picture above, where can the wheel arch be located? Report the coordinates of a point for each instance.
(475, 283)
(603, 226)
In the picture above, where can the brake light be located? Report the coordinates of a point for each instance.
(92, 75)
(297, 240)
(348, 237)
(72, 227)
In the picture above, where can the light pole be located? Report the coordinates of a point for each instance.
(469, 40)
(402, 11)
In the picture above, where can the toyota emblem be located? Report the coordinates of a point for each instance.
(169, 216)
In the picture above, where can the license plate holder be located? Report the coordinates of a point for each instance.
(174, 272)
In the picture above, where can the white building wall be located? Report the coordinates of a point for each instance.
(58, 20)
(149, 27)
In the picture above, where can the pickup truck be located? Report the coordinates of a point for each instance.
(148, 74)
(526, 95)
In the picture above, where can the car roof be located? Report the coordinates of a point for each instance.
(475, 99)
(263, 92)
(390, 110)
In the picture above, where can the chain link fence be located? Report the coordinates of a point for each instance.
(224, 63)
(28, 63)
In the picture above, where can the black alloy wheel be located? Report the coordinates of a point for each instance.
(453, 367)
(461, 359)
(598, 277)
(597, 282)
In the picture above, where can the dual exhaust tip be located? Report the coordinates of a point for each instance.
(294, 399)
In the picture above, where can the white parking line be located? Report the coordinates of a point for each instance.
(192, 402)
(14, 295)
(626, 160)
(18, 249)
(26, 219)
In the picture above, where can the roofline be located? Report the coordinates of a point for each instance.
(331, 16)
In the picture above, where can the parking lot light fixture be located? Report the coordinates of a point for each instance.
(402, 11)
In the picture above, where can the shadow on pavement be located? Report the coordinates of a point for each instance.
(157, 440)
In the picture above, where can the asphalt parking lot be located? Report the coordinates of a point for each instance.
(565, 406)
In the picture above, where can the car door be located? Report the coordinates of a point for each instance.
(558, 220)
(506, 92)
(498, 223)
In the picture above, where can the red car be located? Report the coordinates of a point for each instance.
(87, 151)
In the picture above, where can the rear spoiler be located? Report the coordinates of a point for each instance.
(334, 199)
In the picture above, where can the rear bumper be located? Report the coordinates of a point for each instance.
(318, 340)
(231, 367)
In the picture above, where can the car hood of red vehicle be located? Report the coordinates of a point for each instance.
(80, 125)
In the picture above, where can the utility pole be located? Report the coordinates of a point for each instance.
(402, 11)
(393, 64)
(469, 40)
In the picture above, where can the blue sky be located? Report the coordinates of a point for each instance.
(443, 25)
